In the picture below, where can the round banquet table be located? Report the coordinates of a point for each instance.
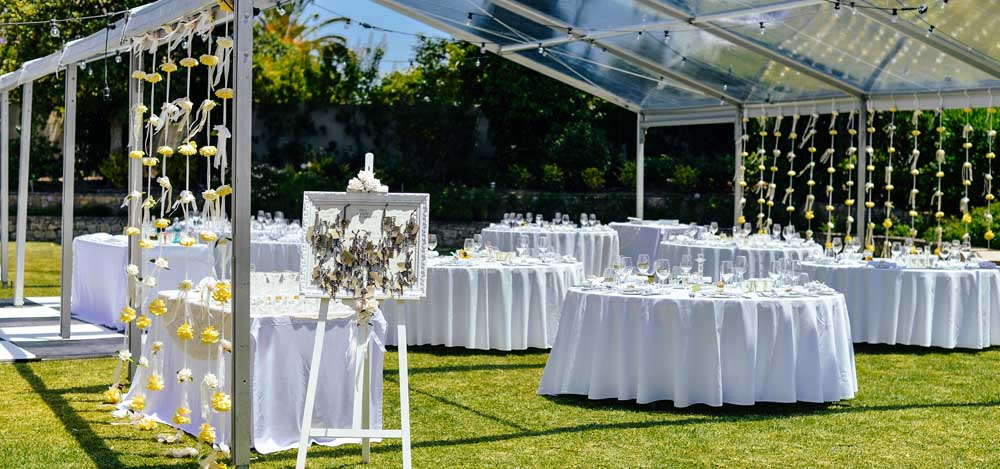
(925, 307)
(281, 350)
(99, 281)
(486, 305)
(702, 350)
(276, 256)
(758, 258)
(595, 247)
(645, 237)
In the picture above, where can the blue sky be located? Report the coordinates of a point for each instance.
(399, 47)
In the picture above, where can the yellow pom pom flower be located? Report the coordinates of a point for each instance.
(221, 402)
(206, 434)
(185, 332)
(169, 67)
(127, 314)
(182, 416)
(136, 154)
(187, 241)
(208, 236)
(989, 235)
(887, 223)
(139, 75)
(185, 285)
(112, 395)
(188, 149)
(224, 190)
(146, 244)
(223, 292)
(165, 151)
(143, 322)
(154, 382)
(209, 60)
(158, 307)
(154, 77)
(146, 423)
(225, 42)
(161, 223)
(224, 93)
(189, 62)
(208, 151)
(209, 335)
(741, 220)
(150, 161)
(138, 403)
(966, 218)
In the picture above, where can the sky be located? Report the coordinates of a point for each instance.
(399, 47)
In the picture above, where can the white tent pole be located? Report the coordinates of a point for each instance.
(640, 172)
(69, 171)
(242, 118)
(4, 183)
(22, 192)
(737, 189)
(860, 223)
(134, 184)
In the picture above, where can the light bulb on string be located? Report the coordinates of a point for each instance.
(666, 36)
(725, 86)
(836, 8)
(854, 11)
(468, 20)
(684, 61)
(895, 15)
(930, 31)
(762, 28)
(347, 23)
(118, 58)
(83, 65)
(638, 36)
(281, 9)
(90, 72)
(482, 48)
(53, 29)
(107, 94)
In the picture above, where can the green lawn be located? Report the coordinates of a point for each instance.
(916, 408)
(42, 264)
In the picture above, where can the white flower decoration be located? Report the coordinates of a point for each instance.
(162, 263)
(132, 270)
(124, 355)
(184, 375)
(144, 362)
(149, 282)
(210, 381)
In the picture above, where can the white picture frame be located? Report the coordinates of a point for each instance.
(364, 210)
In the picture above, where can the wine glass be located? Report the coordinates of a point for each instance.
(593, 219)
(432, 241)
(522, 245)
(583, 220)
(519, 219)
(686, 264)
(543, 244)
(662, 269)
(775, 271)
(469, 245)
(642, 265)
(966, 250)
(726, 272)
(477, 241)
(529, 217)
(557, 219)
(776, 232)
(740, 266)
(838, 245)
(539, 219)
(713, 228)
(626, 266)
(896, 249)
(565, 219)
(946, 251)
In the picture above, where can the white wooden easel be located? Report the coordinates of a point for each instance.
(362, 396)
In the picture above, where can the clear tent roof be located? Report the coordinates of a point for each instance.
(659, 55)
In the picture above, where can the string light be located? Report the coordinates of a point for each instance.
(281, 9)
(836, 8)
(895, 15)
(666, 36)
(762, 28)
(468, 21)
(930, 31)
(854, 11)
(638, 36)
(53, 29)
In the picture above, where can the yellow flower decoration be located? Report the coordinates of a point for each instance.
(188, 149)
(206, 434)
(189, 62)
(141, 109)
(187, 241)
(143, 322)
(463, 254)
(136, 154)
(169, 67)
(161, 223)
(154, 77)
(989, 235)
(222, 292)
(165, 151)
(182, 416)
(225, 42)
(887, 223)
(217, 465)
(185, 332)
(741, 220)
(139, 75)
(210, 195)
(209, 335)
(224, 190)
(208, 151)
(185, 285)
(208, 236)
(221, 402)
(150, 161)
(127, 314)
(966, 218)
(157, 346)
(158, 307)
(146, 423)
(155, 382)
(209, 60)
(112, 395)
(225, 5)
(146, 244)
(224, 93)
(138, 403)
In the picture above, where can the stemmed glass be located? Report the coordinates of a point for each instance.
(946, 251)
(838, 245)
(432, 241)
(713, 228)
(583, 220)
(565, 219)
(625, 267)
(642, 265)
(686, 265)
(469, 246)
(896, 250)
(774, 273)
(740, 267)
(519, 219)
(543, 244)
(726, 272)
(662, 269)
(966, 250)
(522, 245)
(700, 259)
(529, 217)
(539, 219)
(593, 219)
(557, 219)
(477, 241)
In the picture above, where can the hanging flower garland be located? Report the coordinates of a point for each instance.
(852, 151)
(772, 187)
(741, 171)
(991, 135)
(810, 138)
(887, 222)
(966, 174)
(869, 187)
(787, 200)
(913, 162)
(830, 170)
(762, 185)
(939, 156)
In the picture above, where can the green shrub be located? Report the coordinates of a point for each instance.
(553, 177)
(685, 177)
(593, 178)
(626, 174)
(520, 177)
(114, 168)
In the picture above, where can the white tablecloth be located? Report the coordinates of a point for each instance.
(281, 352)
(99, 282)
(486, 306)
(275, 256)
(926, 307)
(758, 259)
(702, 350)
(645, 237)
(595, 247)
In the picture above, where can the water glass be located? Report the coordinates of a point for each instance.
(713, 228)
(583, 220)
(543, 244)
(642, 265)
(557, 219)
(477, 241)
(740, 266)
(593, 219)
(726, 272)
(432, 241)
(610, 275)
(626, 266)
(565, 219)
(686, 264)
(662, 269)
(522, 245)
(469, 245)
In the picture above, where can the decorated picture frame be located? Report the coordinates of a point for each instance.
(348, 215)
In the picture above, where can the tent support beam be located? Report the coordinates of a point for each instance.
(4, 184)
(757, 48)
(582, 35)
(939, 42)
(240, 416)
(741, 12)
(650, 66)
(640, 171)
(69, 172)
(22, 192)
(737, 189)
(860, 223)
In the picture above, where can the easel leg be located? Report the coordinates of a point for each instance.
(366, 445)
(404, 391)
(314, 367)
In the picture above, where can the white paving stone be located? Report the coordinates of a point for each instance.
(78, 331)
(10, 352)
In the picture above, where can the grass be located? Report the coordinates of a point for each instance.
(42, 265)
(916, 407)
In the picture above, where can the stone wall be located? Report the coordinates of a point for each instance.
(453, 234)
(47, 228)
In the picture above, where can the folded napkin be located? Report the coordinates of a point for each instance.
(988, 265)
(884, 264)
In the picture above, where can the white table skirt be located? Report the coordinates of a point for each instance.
(703, 350)
(281, 352)
(486, 307)
(275, 256)
(930, 308)
(596, 248)
(644, 238)
(758, 259)
(99, 282)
